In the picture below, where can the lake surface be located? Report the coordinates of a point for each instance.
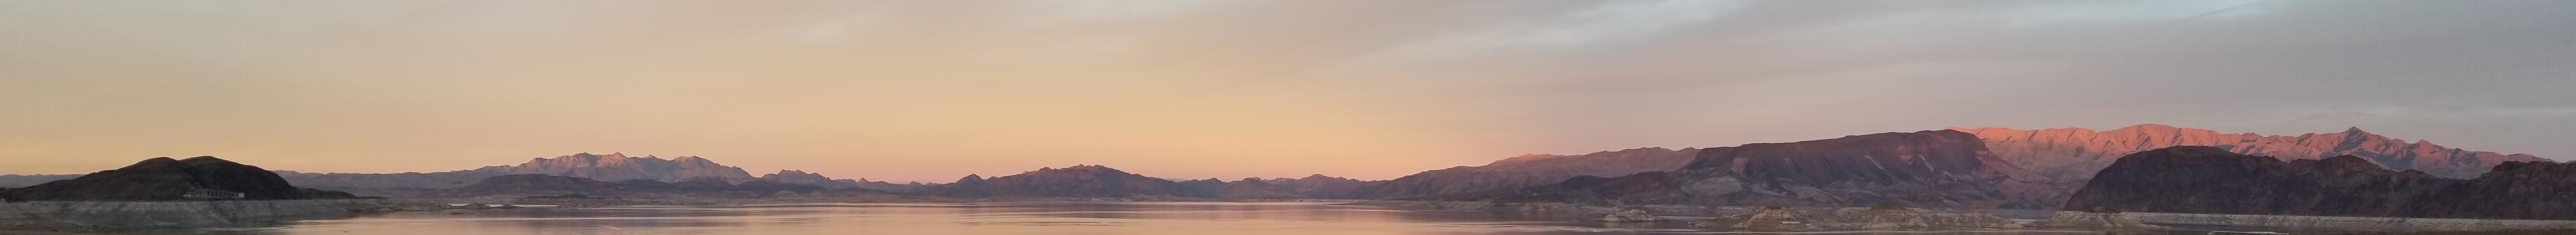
(998, 218)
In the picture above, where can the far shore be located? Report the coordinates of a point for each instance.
(2395, 226)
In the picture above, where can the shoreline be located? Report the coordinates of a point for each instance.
(101, 217)
(148, 216)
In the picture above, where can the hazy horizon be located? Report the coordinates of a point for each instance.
(931, 91)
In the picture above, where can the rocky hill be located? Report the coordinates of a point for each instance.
(1528, 170)
(2073, 154)
(2212, 180)
(165, 179)
(1943, 168)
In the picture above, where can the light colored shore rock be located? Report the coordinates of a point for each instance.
(1630, 216)
(2351, 223)
(2091, 220)
(187, 213)
(1908, 218)
(1767, 219)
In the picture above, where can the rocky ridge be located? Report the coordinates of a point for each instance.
(1940, 169)
(2074, 154)
(2212, 180)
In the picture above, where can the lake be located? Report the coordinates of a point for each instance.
(997, 218)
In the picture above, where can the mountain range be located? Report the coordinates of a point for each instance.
(1949, 168)
(1528, 170)
(609, 167)
(2073, 154)
(2212, 180)
(1941, 168)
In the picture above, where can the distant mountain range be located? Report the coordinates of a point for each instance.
(2211, 180)
(1090, 181)
(1941, 168)
(610, 167)
(2073, 154)
(1952, 168)
(2066, 156)
(1528, 170)
(522, 184)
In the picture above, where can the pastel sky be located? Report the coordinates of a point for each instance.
(933, 90)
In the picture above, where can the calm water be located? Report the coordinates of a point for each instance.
(992, 218)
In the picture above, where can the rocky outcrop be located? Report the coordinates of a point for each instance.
(1942, 169)
(2210, 180)
(1528, 170)
(609, 167)
(2074, 154)
(94, 214)
(165, 179)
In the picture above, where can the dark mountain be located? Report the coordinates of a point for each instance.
(1076, 181)
(1943, 168)
(165, 179)
(2073, 154)
(800, 177)
(1528, 170)
(610, 167)
(27, 180)
(2211, 180)
(541, 184)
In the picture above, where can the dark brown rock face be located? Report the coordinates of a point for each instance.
(1942, 168)
(1076, 181)
(2073, 154)
(165, 179)
(1529, 170)
(2210, 180)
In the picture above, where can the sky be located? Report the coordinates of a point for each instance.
(933, 90)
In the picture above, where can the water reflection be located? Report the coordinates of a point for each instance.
(997, 218)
